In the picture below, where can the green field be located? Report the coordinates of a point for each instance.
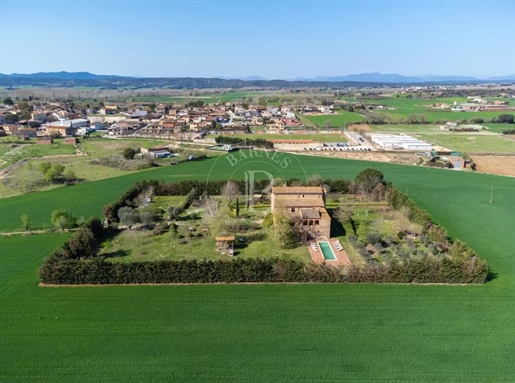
(471, 142)
(264, 333)
(406, 128)
(405, 106)
(9, 154)
(499, 127)
(340, 118)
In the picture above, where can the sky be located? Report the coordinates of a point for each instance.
(277, 39)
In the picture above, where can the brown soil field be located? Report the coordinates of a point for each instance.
(359, 128)
(504, 165)
(395, 158)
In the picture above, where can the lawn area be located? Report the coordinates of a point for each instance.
(340, 118)
(11, 152)
(470, 142)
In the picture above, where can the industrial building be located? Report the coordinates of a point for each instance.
(392, 141)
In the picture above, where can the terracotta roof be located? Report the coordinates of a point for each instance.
(227, 238)
(300, 202)
(297, 189)
(310, 213)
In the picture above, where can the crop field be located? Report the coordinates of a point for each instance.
(208, 97)
(406, 128)
(499, 127)
(406, 106)
(338, 119)
(263, 333)
(471, 143)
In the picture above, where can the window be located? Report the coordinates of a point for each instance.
(292, 210)
(310, 222)
(316, 223)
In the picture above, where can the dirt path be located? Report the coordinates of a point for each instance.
(10, 168)
(11, 233)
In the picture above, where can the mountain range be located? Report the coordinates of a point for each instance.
(375, 77)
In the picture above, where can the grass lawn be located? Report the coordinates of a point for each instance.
(471, 143)
(340, 118)
(141, 245)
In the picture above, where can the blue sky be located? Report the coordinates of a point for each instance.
(273, 39)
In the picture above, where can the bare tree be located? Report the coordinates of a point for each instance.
(211, 205)
(230, 190)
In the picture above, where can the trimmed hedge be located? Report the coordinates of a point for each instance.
(99, 271)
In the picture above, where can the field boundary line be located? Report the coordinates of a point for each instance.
(50, 285)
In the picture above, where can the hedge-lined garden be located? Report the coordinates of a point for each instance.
(79, 262)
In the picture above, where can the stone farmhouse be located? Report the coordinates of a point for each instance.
(305, 205)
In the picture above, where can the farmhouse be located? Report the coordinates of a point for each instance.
(304, 204)
(391, 141)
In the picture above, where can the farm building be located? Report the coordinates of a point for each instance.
(75, 123)
(392, 141)
(305, 204)
(156, 152)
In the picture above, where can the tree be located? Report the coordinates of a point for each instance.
(8, 101)
(284, 230)
(129, 153)
(25, 220)
(367, 180)
(314, 180)
(147, 218)
(230, 190)
(237, 212)
(55, 172)
(343, 214)
(60, 218)
(128, 216)
(81, 245)
(174, 212)
(506, 119)
(11, 118)
(69, 175)
(44, 167)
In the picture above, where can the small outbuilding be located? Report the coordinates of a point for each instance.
(225, 243)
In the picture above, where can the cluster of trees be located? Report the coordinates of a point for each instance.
(258, 142)
(56, 172)
(505, 119)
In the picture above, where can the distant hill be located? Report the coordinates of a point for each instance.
(61, 75)
(375, 77)
(399, 79)
(86, 79)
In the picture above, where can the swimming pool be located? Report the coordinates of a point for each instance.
(327, 252)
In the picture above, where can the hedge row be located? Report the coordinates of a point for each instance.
(99, 271)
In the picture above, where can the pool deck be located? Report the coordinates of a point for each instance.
(341, 256)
